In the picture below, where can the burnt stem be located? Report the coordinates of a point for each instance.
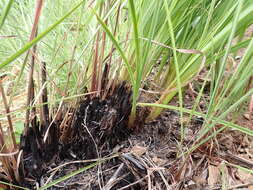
(30, 91)
(45, 110)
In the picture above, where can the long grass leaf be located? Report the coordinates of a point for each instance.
(5, 13)
(224, 60)
(38, 38)
(69, 176)
(114, 41)
(138, 63)
(179, 85)
(14, 186)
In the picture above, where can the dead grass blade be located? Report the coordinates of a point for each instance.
(7, 109)
(44, 96)
(30, 94)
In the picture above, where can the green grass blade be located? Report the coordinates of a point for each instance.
(114, 41)
(224, 60)
(138, 64)
(179, 85)
(250, 171)
(5, 13)
(38, 38)
(11, 185)
(69, 176)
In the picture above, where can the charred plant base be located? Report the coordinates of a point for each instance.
(146, 159)
(90, 131)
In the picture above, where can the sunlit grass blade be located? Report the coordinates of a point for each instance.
(179, 86)
(138, 64)
(210, 44)
(224, 60)
(38, 38)
(114, 41)
(4, 14)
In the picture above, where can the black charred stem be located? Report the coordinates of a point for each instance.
(45, 110)
(104, 80)
(30, 94)
(94, 77)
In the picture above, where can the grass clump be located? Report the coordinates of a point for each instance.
(84, 50)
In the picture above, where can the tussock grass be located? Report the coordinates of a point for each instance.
(168, 41)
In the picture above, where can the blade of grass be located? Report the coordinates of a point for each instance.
(196, 102)
(69, 176)
(224, 60)
(30, 90)
(11, 185)
(117, 46)
(179, 86)
(138, 64)
(250, 171)
(38, 38)
(5, 13)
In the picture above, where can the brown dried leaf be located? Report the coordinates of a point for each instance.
(138, 150)
(246, 116)
(225, 178)
(214, 175)
(244, 176)
(199, 180)
(159, 161)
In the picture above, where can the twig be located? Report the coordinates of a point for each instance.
(240, 186)
(83, 161)
(57, 113)
(113, 180)
(50, 177)
(9, 154)
(236, 160)
(134, 183)
(45, 110)
(158, 169)
(8, 36)
(95, 144)
(94, 80)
